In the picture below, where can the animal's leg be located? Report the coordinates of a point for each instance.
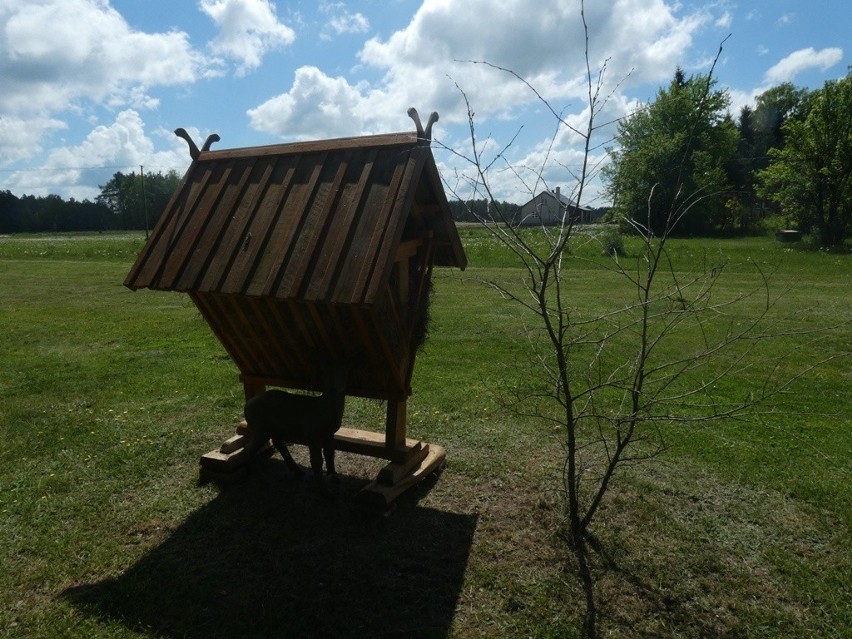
(316, 460)
(328, 453)
(281, 446)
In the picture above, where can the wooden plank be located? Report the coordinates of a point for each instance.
(324, 284)
(274, 230)
(173, 221)
(265, 336)
(264, 351)
(211, 235)
(372, 444)
(134, 280)
(379, 496)
(280, 321)
(327, 225)
(242, 216)
(447, 227)
(318, 199)
(233, 444)
(297, 313)
(383, 140)
(407, 249)
(320, 329)
(396, 423)
(257, 234)
(363, 289)
(391, 236)
(224, 462)
(366, 340)
(395, 472)
(202, 215)
(392, 362)
(231, 332)
(210, 314)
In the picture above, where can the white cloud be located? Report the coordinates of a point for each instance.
(91, 52)
(316, 106)
(120, 146)
(21, 139)
(90, 56)
(801, 60)
(342, 21)
(725, 20)
(419, 63)
(248, 29)
(349, 23)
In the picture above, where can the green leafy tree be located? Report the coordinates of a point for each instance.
(124, 192)
(680, 144)
(773, 108)
(810, 176)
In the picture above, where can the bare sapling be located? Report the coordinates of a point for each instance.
(611, 381)
(300, 419)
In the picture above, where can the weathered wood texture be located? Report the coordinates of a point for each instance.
(295, 251)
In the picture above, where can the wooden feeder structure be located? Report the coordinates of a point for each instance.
(300, 253)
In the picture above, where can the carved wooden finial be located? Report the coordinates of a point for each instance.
(433, 117)
(193, 148)
(213, 137)
(425, 136)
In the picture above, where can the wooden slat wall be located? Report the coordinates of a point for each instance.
(286, 340)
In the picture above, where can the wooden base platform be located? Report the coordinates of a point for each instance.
(410, 462)
(394, 479)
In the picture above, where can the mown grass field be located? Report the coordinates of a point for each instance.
(107, 397)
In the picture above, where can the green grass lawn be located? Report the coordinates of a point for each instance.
(108, 397)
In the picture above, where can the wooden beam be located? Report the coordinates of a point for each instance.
(395, 423)
(379, 496)
(372, 444)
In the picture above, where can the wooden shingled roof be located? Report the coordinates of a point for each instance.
(311, 221)
(283, 248)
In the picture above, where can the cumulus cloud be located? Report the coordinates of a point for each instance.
(21, 139)
(316, 106)
(248, 29)
(419, 64)
(91, 52)
(801, 60)
(91, 55)
(122, 145)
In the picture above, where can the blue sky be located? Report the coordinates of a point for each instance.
(91, 87)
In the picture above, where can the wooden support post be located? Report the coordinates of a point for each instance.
(395, 424)
(253, 389)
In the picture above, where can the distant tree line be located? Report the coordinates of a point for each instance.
(477, 209)
(791, 154)
(126, 202)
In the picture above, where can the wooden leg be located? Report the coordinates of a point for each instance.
(253, 389)
(395, 424)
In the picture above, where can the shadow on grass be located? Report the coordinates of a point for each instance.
(271, 558)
